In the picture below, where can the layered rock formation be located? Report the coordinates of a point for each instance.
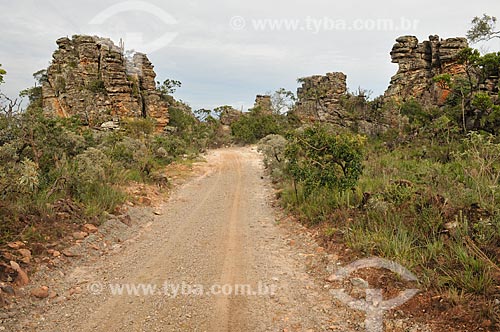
(318, 98)
(419, 63)
(325, 98)
(91, 78)
(263, 102)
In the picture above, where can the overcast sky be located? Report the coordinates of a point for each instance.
(225, 51)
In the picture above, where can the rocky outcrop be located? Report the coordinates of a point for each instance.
(90, 78)
(319, 97)
(419, 63)
(229, 115)
(325, 99)
(263, 103)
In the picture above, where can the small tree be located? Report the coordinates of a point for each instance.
(224, 109)
(34, 93)
(2, 72)
(204, 114)
(169, 86)
(476, 113)
(483, 29)
(318, 157)
(282, 101)
(488, 113)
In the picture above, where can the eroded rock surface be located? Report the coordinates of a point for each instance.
(326, 99)
(90, 77)
(319, 97)
(263, 103)
(419, 63)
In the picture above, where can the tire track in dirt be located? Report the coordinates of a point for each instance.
(228, 308)
(217, 229)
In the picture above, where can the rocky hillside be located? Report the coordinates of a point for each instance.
(90, 77)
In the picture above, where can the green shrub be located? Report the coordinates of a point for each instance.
(139, 127)
(415, 112)
(181, 119)
(255, 125)
(196, 135)
(273, 149)
(479, 165)
(92, 166)
(319, 157)
(172, 145)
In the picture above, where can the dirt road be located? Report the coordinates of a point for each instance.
(216, 232)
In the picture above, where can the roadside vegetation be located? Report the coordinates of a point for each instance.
(257, 123)
(426, 195)
(429, 204)
(56, 172)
